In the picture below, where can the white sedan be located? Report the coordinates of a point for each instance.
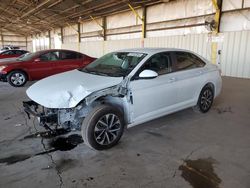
(124, 89)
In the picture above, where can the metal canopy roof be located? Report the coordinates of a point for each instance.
(26, 17)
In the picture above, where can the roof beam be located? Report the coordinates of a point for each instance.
(34, 9)
(37, 16)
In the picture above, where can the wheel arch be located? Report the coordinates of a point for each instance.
(208, 85)
(211, 85)
(115, 101)
(118, 102)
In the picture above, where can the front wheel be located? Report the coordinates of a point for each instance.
(103, 127)
(17, 78)
(205, 100)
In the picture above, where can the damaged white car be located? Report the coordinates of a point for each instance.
(123, 89)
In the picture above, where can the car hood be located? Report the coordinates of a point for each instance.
(67, 89)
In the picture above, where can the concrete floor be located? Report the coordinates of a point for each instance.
(156, 154)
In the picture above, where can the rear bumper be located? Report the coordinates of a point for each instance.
(3, 77)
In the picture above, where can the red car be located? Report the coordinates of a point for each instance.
(12, 53)
(38, 65)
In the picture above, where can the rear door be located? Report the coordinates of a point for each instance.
(68, 60)
(189, 71)
(44, 66)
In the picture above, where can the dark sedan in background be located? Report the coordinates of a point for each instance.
(41, 64)
(12, 53)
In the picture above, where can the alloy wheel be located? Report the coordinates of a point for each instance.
(107, 129)
(206, 99)
(17, 79)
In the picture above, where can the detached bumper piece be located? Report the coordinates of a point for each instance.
(46, 118)
(31, 107)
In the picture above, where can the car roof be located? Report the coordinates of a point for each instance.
(51, 50)
(152, 50)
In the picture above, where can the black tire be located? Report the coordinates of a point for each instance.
(103, 127)
(17, 78)
(206, 99)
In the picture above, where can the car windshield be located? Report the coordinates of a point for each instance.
(27, 56)
(116, 64)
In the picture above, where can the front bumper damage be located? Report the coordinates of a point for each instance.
(52, 119)
(66, 118)
(31, 108)
(72, 118)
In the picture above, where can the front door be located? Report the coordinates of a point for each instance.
(154, 97)
(44, 67)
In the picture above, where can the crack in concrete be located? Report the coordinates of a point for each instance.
(53, 162)
(51, 157)
(58, 172)
(186, 158)
(191, 153)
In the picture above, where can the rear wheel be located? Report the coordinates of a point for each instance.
(205, 99)
(103, 127)
(17, 78)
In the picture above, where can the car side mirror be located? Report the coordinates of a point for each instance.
(37, 60)
(148, 74)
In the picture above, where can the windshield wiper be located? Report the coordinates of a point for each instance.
(94, 72)
(102, 73)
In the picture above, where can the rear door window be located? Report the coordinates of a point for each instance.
(18, 52)
(50, 56)
(64, 55)
(197, 60)
(186, 61)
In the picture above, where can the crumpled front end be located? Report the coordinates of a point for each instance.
(72, 118)
(52, 119)
(67, 89)
(64, 100)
